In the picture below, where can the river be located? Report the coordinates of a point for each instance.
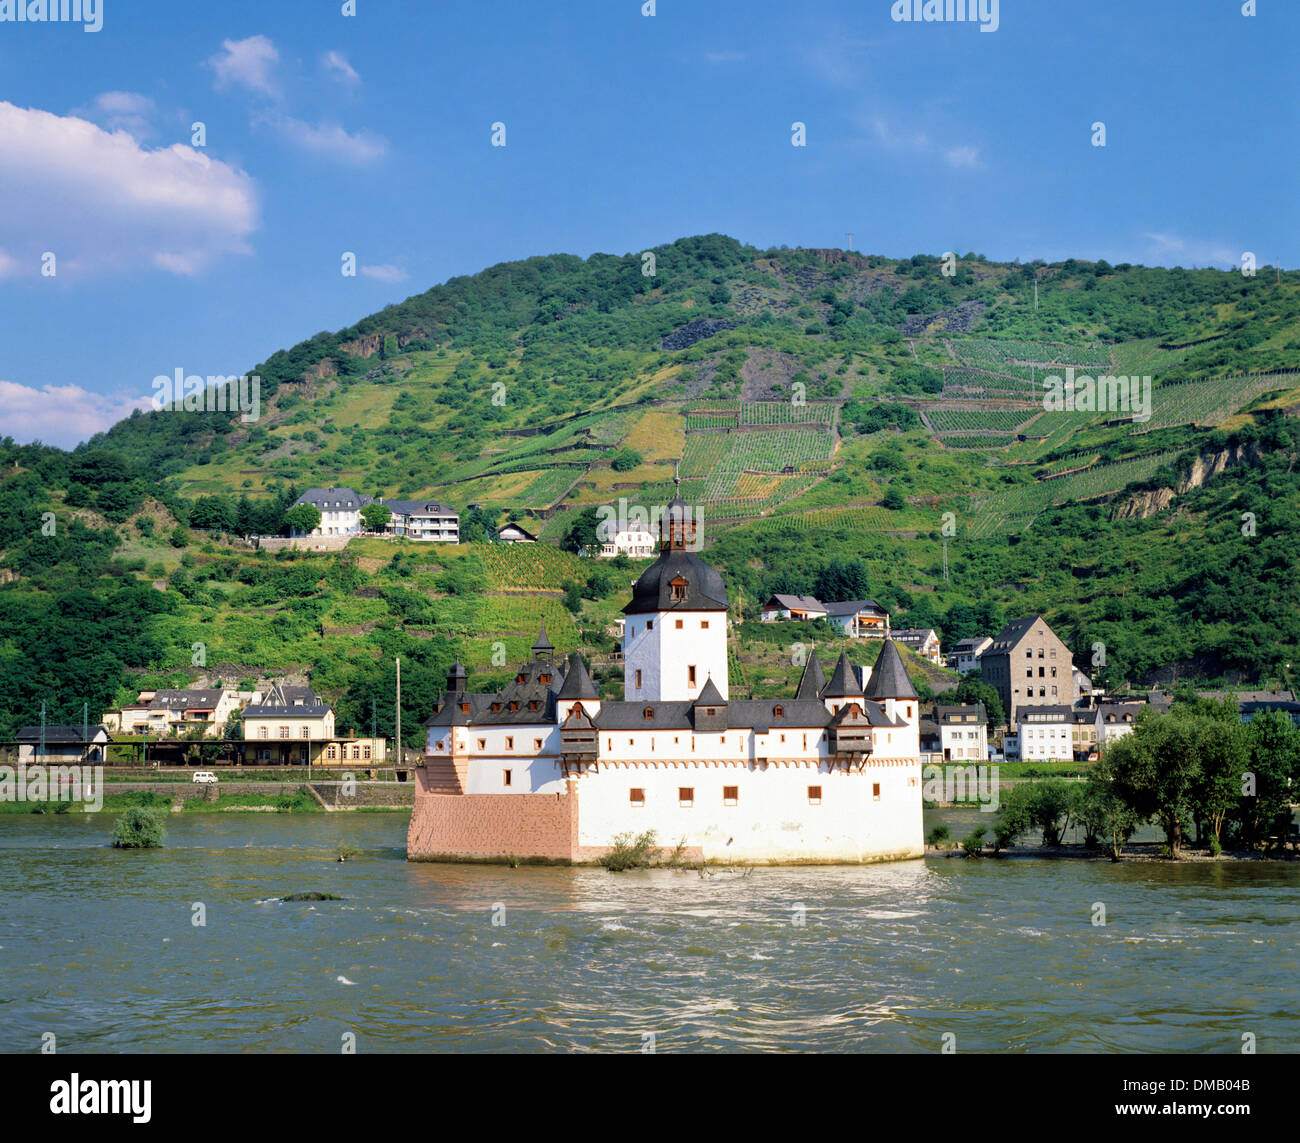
(99, 948)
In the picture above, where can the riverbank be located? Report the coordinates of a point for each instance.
(1144, 852)
(233, 797)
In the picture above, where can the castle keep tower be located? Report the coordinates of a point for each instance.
(675, 634)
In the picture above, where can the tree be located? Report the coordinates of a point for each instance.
(583, 531)
(376, 516)
(1222, 748)
(180, 536)
(302, 518)
(1272, 744)
(573, 597)
(973, 689)
(1104, 810)
(625, 460)
(1158, 768)
(893, 499)
(138, 828)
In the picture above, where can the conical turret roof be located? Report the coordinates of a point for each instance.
(812, 680)
(710, 695)
(844, 682)
(577, 683)
(889, 677)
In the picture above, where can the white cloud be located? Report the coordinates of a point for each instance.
(905, 140)
(247, 63)
(385, 273)
(98, 199)
(62, 415)
(968, 157)
(337, 66)
(1173, 249)
(124, 111)
(331, 140)
(8, 265)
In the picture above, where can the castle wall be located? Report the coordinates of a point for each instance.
(663, 653)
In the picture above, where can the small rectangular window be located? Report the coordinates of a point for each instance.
(638, 680)
(730, 795)
(510, 742)
(875, 791)
(537, 743)
(482, 743)
(677, 626)
(506, 775)
(704, 624)
(636, 796)
(814, 795)
(686, 795)
(649, 624)
(690, 676)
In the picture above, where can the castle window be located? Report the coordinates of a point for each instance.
(686, 796)
(496, 706)
(537, 743)
(638, 680)
(506, 776)
(678, 625)
(704, 624)
(711, 711)
(636, 796)
(510, 742)
(464, 708)
(649, 712)
(519, 678)
(814, 795)
(690, 676)
(532, 704)
(482, 743)
(514, 705)
(875, 791)
(778, 712)
(546, 679)
(649, 624)
(908, 708)
(730, 795)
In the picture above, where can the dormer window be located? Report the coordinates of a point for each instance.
(678, 586)
(778, 712)
(546, 679)
(649, 712)
(519, 678)
(514, 705)
(496, 707)
(464, 708)
(532, 704)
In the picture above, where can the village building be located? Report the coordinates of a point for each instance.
(424, 520)
(1114, 720)
(545, 769)
(1028, 665)
(1045, 733)
(176, 713)
(63, 745)
(966, 654)
(1083, 732)
(295, 727)
(923, 640)
(514, 534)
(1291, 709)
(635, 543)
(857, 618)
(797, 607)
(339, 508)
(963, 732)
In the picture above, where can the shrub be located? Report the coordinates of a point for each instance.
(630, 852)
(138, 828)
(940, 835)
(973, 843)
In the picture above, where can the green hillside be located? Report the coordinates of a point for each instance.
(839, 421)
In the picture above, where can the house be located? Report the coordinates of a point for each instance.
(424, 520)
(1083, 731)
(1028, 665)
(543, 768)
(514, 534)
(340, 511)
(792, 607)
(1248, 710)
(923, 640)
(968, 652)
(295, 727)
(963, 732)
(859, 618)
(931, 742)
(1249, 696)
(1114, 720)
(1082, 684)
(61, 744)
(1046, 733)
(172, 713)
(635, 543)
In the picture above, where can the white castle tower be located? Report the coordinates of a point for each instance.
(675, 633)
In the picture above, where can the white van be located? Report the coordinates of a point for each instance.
(204, 776)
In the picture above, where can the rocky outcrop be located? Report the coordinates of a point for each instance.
(694, 331)
(1140, 505)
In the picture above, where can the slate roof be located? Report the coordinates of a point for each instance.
(57, 735)
(710, 695)
(514, 528)
(958, 714)
(269, 710)
(577, 683)
(185, 700)
(797, 603)
(331, 499)
(844, 682)
(284, 695)
(853, 606)
(1013, 632)
(450, 714)
(419, 508)
(1044, 713)
(889, 677)
(968, 645)
(813, 679)
(705, 589)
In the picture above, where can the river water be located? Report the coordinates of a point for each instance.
(99, 948)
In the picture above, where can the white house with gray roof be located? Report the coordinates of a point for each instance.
(425, 520)
(339, 508)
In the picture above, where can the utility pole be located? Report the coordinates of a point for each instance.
(850, 234)
(40, 757)
(398, 661)
(945, 559)
(85, 731)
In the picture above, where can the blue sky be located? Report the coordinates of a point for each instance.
(371, 133)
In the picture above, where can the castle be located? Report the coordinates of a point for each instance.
(544, 769)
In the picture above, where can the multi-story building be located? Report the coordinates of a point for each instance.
(968, 652)
(1045, 733)
(1083, 731)
(1114, 720)
(173, 713)
(1028, 665)
(963, 732)
(339, 508)
(424, 520)
(923, 640)
(544, 768)
(635, 543)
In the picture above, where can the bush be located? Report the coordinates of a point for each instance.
(973, 843)
(938, 836)
(629, 852)
(138, 828)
